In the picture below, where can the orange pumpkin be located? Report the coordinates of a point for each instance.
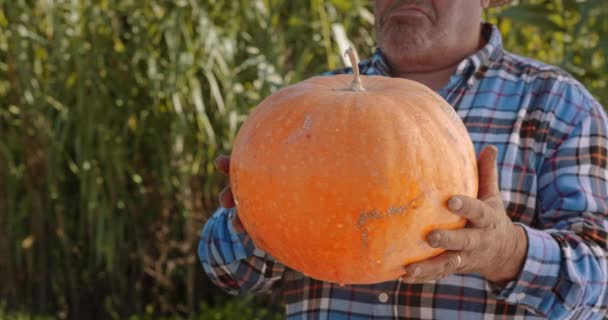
(344, 185)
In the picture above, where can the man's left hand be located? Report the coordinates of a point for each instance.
(490, 244)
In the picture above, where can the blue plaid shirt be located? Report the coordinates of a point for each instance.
(552, 140)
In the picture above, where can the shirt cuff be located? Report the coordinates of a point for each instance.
(534, 286)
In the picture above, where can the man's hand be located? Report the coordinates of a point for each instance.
(222, 163)
(490, 244)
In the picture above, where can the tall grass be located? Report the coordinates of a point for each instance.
(111, 113)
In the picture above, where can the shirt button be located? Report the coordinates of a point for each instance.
(520, 296)
(383, 297)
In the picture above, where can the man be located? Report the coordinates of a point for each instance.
(536, 242)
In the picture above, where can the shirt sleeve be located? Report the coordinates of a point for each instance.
(565, 273)
(232, 261)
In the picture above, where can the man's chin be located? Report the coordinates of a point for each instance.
(405, 43)
(408, 29)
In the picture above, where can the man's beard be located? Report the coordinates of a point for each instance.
(403, 40)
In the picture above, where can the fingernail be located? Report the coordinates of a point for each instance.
(455, 203)
(434, 239)
(494, 153)
(411, 274)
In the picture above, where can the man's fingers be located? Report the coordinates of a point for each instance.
(488, 173)
(459, 239)
(435, 268)
(476, 211)
(226, 198)
(222, 163)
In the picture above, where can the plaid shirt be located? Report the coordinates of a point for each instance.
(552, 140)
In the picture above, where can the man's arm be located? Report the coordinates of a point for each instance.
(566, 271)
(230, 258)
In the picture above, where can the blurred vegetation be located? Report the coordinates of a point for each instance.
(112, 111)
(235, 309)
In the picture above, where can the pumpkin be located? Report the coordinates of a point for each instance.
(343, 181)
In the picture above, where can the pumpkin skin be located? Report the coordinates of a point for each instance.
(344, 186)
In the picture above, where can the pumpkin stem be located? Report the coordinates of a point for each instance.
(356, 85)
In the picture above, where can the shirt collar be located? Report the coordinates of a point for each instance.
(469, 69)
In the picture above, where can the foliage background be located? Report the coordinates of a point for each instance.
(112, 111)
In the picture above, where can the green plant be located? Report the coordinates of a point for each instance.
(566, 33)
(111, 113)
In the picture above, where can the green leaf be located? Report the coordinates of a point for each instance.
(536, 15)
